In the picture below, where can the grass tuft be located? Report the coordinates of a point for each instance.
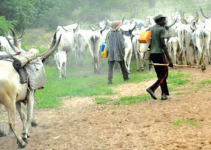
(128, 100)
(101, 100)
(190, 122)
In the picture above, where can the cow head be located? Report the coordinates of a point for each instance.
(129, 32)
(101, 30)
(193, 21)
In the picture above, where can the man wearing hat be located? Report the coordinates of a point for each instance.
(116, 50)
(158, 51)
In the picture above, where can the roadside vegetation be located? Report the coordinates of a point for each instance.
(188, 121)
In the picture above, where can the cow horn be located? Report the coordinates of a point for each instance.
(185, 19)
(147, 25)
(11, 45)
(64, 29)
(203, 14)
(99, 26)
(133, 28)
(20, 37)
(196, 19)
(91, 28)
(52, 49)
(15, 39)
(76, 28)
(172, 24)
(101, 31)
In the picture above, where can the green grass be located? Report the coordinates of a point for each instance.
(101, 100)
(1, 118)
(81, 81)
(177, 78)
(190, 122)
(128, 100)
(206, 82)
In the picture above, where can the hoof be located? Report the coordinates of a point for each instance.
(22, 145)
(34, 124)
(25, 140)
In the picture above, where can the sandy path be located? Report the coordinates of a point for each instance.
(80, 124)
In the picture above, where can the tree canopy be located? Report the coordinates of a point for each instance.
(22, 14)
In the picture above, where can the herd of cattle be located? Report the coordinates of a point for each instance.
(188, 40)
(185, 37)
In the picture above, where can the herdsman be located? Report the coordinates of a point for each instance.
(158, 51)
(116, 50)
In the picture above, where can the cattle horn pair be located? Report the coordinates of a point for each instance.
(11, 45)
(203, 14)
(147, 24)
(194, 20)
(101, 30)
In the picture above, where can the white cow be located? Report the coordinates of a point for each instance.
(174, 49)
(82, 44)
(67, 43)
(70, 28)
(12, 92)
(128, 52)
(200, 40)
(94, 42)
(61, 61)
(139, 51)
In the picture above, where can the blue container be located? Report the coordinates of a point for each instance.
(103, 46)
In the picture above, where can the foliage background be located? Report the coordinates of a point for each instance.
(48, 14)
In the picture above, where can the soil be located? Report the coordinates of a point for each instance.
(80, 124)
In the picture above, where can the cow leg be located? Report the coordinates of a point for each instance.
(137, 60)
(11, 113)
(22, 114)
(2, 133)
(141, 56)
(30, 105)
(65, 75)
(129, 60)
(34, 122)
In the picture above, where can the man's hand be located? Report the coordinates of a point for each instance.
(170, 63)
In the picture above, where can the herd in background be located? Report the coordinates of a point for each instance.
(187, 37)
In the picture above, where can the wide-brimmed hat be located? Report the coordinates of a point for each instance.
(115, 25)
(159, 16)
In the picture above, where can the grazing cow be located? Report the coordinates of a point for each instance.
(174, 49)
(61, 61)
(12, 93)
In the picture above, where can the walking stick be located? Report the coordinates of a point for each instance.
(175, 65)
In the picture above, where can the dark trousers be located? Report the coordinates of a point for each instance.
(123, 68)
(162, 73)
